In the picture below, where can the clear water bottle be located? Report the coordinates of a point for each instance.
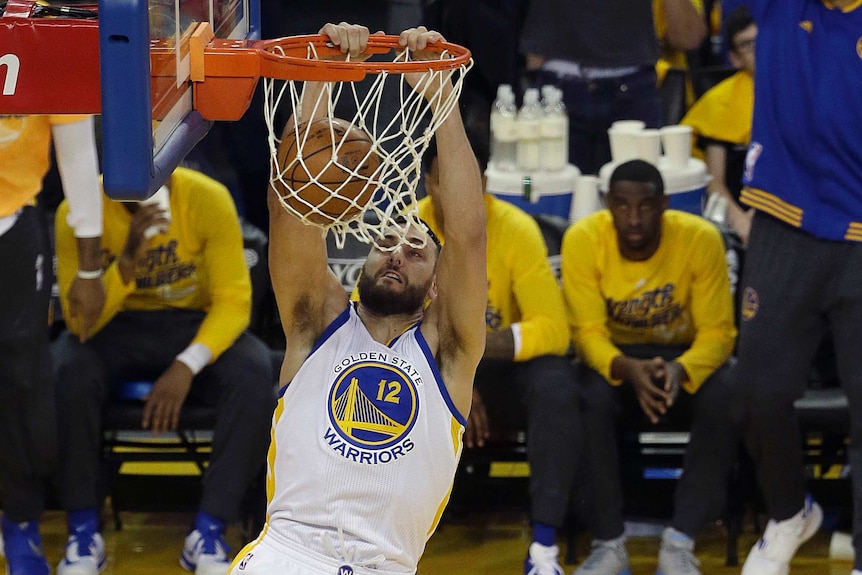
(530, 132)
(504, 130)
(555, 131)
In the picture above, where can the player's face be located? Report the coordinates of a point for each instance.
(397, 276)
(637, 213)
(742, 52)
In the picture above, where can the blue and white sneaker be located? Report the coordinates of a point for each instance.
(22, 545)
(542, 560)
(771, 555)
(205, 551)
(85, 550)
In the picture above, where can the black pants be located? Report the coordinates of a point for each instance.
(28, 443)
(141, 345)
(794, 286)
(700, 493)
(545, 387)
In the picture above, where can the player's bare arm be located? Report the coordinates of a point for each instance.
(307, 293)
(455, 320)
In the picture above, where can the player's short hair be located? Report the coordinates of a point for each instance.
(738, 20)
(401, 220)
(639, 171)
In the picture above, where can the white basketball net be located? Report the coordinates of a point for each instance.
(399, 142)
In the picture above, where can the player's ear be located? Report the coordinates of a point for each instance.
(432, 291)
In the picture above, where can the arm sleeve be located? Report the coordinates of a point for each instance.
(77, 161)
(67, 267)
(711, 311)
(543, 329)
(217, 224)
(585, 306)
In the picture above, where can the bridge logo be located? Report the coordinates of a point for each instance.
(373, 405)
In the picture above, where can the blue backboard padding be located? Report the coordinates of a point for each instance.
(127, 138)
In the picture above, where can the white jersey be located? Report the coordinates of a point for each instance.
(365, 443)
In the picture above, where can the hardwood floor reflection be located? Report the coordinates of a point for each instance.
(479, 544)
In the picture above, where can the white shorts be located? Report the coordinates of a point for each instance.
(267, 557)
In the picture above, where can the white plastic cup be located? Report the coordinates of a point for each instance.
(676, 141)
(648, 144)
(586, 199)
(162, 199)
(628, 125)
(624, 144)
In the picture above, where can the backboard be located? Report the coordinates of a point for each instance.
(148, 121)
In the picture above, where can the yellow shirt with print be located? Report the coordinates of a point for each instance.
(679, 296)
(198, 265)
(521, 285)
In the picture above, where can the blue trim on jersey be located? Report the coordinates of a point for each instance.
(327, 333)
(331, 329)
(432, 363)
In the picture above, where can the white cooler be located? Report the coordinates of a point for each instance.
(537, 192)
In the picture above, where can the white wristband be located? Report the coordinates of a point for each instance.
(196, 357)
(90, 275)
(516, 335)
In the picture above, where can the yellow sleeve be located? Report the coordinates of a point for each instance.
(538, 296)
(67, 268)
(724, 113)
(585, 306)
(711, 311)
(216, 224)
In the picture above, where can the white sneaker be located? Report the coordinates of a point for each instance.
(85, 554)
(676, 554)
(205, 553)
(771, 555)
(542, 560)
(606, 558)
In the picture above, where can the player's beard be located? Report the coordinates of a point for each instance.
(383, 301)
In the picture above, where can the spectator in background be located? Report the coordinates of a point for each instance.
(28, 435)
(178, 302)
(524, 367)
(649, 305)
(677, 36)
(602, 54)
(803, 271)
(721, 121)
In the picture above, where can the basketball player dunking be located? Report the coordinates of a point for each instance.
(367, 433)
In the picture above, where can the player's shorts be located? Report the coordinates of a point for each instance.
(268, 557)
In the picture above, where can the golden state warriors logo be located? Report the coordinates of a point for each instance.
(750, 304)
(372, 408)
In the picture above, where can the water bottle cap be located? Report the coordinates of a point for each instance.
(504, 90)
(531, 96)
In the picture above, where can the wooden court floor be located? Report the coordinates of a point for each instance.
(479, 544)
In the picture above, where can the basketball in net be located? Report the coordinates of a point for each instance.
(325, 171)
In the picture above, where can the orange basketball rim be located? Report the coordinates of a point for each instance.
(225, 72)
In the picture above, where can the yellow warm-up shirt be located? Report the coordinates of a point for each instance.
(724, 113)
(679, 296)
(25, 149)
(522, 288)
(197, 265)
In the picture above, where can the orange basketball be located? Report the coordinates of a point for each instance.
(322, 174)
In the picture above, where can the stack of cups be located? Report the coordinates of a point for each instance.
(624, 140)
(586, 199)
